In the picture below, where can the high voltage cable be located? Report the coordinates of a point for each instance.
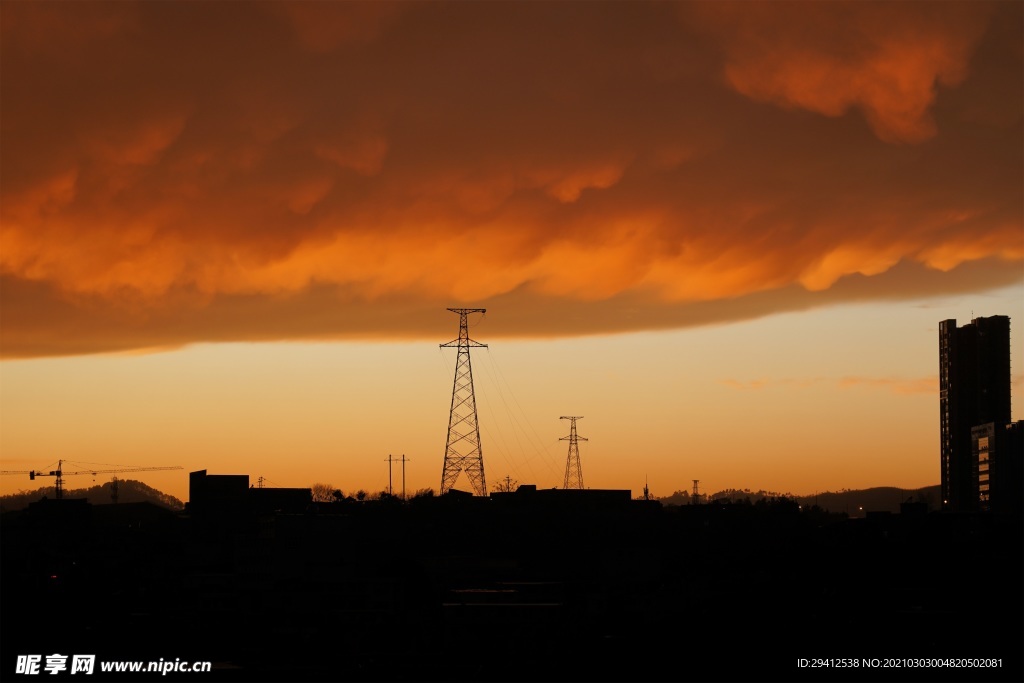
(511, 417)
(546, 450)
(502, 447)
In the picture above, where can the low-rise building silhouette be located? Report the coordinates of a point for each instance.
(231, 494)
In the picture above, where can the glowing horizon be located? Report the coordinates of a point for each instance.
(300, 413)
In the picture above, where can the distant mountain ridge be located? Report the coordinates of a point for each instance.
(877, 499)
(851, 502)
(128, 491)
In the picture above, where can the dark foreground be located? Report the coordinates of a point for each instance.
(516, 590)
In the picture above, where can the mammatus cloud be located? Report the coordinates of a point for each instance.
(315, 170)
(886, 59)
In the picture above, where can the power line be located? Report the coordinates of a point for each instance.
(536, 442)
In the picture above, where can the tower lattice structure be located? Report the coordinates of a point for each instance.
(463, 452)
(573, 470)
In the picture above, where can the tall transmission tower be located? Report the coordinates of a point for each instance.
(462, 452)
(573, 471)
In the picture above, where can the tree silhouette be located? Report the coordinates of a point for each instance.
(322, 493)
(506, 485)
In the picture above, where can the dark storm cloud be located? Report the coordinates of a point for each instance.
(180, 172)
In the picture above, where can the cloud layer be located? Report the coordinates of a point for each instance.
(179, 172)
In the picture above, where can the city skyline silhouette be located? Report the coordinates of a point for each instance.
(558, 584)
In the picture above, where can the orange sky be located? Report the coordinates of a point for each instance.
(175, 174)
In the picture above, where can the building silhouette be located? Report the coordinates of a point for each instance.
(974, 390)
(214, 495)
(1010, 497)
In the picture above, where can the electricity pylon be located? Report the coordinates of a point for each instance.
(573, 471)
(463, 452)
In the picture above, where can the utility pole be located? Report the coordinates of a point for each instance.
(573, 470)
(462, 450)
(403, 461)
(390, 491)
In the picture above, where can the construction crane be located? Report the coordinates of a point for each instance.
(59, 473)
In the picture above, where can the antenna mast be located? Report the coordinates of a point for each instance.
(573, 470)
(462, 451)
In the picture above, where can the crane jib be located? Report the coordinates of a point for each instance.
(60, 474)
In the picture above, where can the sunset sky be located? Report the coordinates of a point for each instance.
(723, 233)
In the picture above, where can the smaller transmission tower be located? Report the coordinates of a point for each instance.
(573, 471)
